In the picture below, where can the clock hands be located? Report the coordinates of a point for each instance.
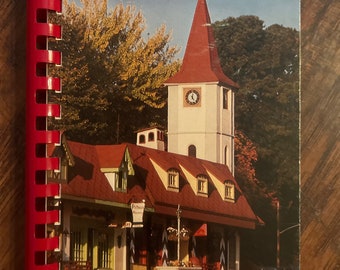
(192, 97)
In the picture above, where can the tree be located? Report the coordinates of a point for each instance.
(265, 63)
(111, 72)
(245, 158)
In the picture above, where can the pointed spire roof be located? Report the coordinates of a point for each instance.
(201, 62)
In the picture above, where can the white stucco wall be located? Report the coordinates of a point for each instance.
(208, 126)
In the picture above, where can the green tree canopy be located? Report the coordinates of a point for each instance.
(265, 63)
(112, 75)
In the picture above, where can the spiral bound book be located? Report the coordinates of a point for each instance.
(41, 197)
(173, 142)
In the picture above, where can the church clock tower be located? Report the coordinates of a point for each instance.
(201, 99)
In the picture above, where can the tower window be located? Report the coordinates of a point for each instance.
(229, 194)
(173, 179)
(226, 154)
(141, 138)
(192, 151)
(225, 98)
(151, 136)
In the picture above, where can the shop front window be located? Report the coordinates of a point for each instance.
(103, 251)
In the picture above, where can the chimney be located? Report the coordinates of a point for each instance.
(152, 137)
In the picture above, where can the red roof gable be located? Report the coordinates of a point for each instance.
(201, 62)
(89, 183)
(110, 156)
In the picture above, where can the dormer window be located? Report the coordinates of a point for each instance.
(120, 181)
(121, 178)
(229, 191)
(61, 175)
(202, 185)
(173, 179)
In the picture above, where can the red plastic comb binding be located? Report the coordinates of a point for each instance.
(38, 216)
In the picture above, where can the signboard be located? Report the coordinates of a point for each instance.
(137, 214)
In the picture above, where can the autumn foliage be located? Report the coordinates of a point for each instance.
(112, 72)
(245, 157)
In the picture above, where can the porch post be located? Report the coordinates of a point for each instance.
(132, 245)
(237, 251)
(222, 252)
(178, 233)
(165, 248)
(66, 233)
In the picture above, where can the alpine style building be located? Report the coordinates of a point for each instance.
(137, 206)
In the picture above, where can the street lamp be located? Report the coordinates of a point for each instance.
(278, 233)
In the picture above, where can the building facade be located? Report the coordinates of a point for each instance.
(99, 231)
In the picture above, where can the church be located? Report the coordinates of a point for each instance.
(160, 204)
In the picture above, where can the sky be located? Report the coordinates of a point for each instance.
(177, 15)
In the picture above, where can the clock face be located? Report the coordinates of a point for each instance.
(192, 97)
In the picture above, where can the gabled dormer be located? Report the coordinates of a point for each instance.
(116, 164)
(169, 175)
(225, 188)
(66, 160)
(199, 183)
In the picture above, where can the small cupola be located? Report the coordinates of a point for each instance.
(152, 137)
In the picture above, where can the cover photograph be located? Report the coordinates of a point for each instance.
(163, 134)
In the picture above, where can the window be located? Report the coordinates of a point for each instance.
(225, 98)
(77, 247)
(103, 251)
(229, 190)
(59, 176)
(121, 178)
(151, 136)
(141, 138)
(160, 136)
(192, 151)
(173, 181)
(202, 185)
(226, 155)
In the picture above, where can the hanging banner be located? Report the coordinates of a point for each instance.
(137, 214)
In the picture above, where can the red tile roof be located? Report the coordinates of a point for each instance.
(90, 183)
(213, 208)
(201, 62)
(110, 156)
